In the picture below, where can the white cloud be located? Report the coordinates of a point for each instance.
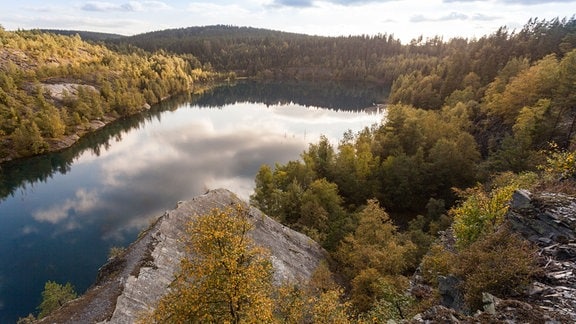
(28, 229)
(83, 202)
(405, 19)
(126, 7)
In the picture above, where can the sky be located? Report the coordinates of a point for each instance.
(405, 19)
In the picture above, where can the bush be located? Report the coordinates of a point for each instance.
(560, 164)
(481, 213)
(438, 262)
(502, 263)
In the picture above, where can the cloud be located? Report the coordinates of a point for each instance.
(43, 9)
(131, 6)
(104, 6)
(520, 2)
(311, 3)
(29, 230)
(482, 17)
(83, 202)
(293, 3)
(453, 16)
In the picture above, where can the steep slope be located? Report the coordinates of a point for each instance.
(547, 220)
(135, 281)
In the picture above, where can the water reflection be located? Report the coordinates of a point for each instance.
(62, 212)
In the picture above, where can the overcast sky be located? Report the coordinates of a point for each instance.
(405, 19)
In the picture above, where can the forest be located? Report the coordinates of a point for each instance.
(460, 136)
(105, 85)
(468, 122)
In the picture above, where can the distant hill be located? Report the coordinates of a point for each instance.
(271, 54)
(85, 35)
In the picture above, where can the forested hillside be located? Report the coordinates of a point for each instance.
(476, 121)
(381, 58)
(53, 88)
(468, 122)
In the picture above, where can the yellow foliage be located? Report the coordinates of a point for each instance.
(560, 163)
(480, 213)
(437, 262)
(224, 278)
(327, 308)
(374, 244)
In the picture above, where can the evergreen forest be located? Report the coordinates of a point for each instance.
(468, 121)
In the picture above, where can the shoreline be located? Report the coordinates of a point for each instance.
(67, 141)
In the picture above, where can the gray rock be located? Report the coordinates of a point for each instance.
(549, 221)
(521, 199)
(450, 293)
(134, 282)
(489, 301)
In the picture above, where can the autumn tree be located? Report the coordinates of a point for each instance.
(224, 277)
(374, 252)
(321, 300)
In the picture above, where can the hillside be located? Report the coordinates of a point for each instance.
(468, 124)
(85, 35)
(382, 58)
(54, 89)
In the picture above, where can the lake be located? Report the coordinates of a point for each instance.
(61, 213)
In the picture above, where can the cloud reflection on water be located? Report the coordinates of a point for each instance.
(59, 222)
(189, 151)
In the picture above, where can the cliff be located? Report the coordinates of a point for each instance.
(135, 281)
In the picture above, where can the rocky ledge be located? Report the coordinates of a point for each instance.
(549, 221)
(136, 280)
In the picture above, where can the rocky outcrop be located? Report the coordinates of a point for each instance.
(135, 281)
(549, 221)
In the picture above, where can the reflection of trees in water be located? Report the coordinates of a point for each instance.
(338, 96)
(331, 95)
(25, 172)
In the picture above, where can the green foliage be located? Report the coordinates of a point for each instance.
(374, 251)
(560, 164)
(480, 213)
(54, 296)
(393, 304)
(28, 140)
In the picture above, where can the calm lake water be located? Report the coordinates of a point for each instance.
(61, 213)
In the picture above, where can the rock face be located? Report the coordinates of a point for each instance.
(135, 281)
(549, 221)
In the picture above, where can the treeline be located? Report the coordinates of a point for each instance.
(386, 192)
(53, 86)
(380, 58)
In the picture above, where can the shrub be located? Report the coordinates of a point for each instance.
(438, 262)
(502, 263)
